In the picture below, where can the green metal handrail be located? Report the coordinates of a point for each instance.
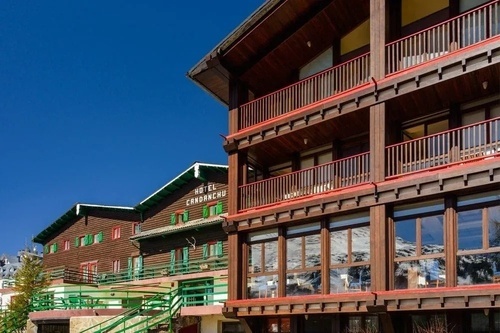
(167, 315)
(116, 321)
(85, 298)
(157, 271)
(206, 291)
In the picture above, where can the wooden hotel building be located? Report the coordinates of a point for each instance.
(364, 165)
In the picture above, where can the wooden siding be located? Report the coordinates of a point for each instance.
(104, 253)
(159, 216)
(156, 251)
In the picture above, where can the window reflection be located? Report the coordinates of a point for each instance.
(303, 258)
(350, 253)
(478, 256)
(419, 246)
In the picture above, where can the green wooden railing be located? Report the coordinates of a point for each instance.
(167, 269)
(206, 291)
(148, 272)
(85, 297)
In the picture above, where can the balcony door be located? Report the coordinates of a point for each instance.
(88, 271)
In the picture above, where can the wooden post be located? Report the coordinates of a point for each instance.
(325, 258)
(379, 253)
(236, 176)
(378, 32)
(450, 241)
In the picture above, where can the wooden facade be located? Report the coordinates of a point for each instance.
(87, 241)
(364, 164)
(169, 252)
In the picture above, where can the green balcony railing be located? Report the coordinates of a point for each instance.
(86, 297)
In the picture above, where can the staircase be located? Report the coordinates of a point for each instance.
(155, 315)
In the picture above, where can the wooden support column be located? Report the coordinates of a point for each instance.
(281, 262)
(379, 253)
(238, 95)
(325, 258)
(235, 267)
(378, 33)
(450, 240)
(377, 143)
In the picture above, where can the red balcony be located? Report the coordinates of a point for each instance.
(325, 84)
(342, 173)
(462, 31)
(480, 140)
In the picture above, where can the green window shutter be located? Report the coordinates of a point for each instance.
(205, 211)
(139, 264)
(77, 241)
(218, 208)
(219, 249)
(205, 251)
(54, 247)
(172, 218)
(185, 216)
(100, 237)
(172, 261)
(91, 239)
(85, 240)
(185, 257)
(46, 249)
(129, 267)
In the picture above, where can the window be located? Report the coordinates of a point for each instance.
(278, 325)
(232, 327)
(66, 245)
(88, 272)
(419, 245)
(262, 263)
(303, 259)
(350, 253)
(116, 266)
(179, 260)
(318, 64)
(136, 228)
(180, 216)
(116, 233)
(478, 227)
(212, 209)
(213, 250)
(98, 238)
(53, 248)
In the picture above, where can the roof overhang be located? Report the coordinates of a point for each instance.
(172, 229)
(196, 171)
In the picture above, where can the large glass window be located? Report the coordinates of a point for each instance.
(303, 259)
(419, 245)
(350, 253)
(262, 264)
(478, 256)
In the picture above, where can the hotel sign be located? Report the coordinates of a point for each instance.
(205, 194)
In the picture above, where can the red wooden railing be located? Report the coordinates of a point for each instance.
(326, 177)
(473, 141)
(454, 34)
(310, 90)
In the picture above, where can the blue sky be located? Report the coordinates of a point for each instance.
(95, 105)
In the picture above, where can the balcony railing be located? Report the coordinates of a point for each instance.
(479, 140)
(73, 275)
(92, 298)
(323, 178)
(310, 90)
(454, 34)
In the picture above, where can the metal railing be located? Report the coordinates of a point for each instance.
(163, 270)
(338, 174)
(207, 291)
(85, 297)
(467, 29)
(325, 84)
(479, 140)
